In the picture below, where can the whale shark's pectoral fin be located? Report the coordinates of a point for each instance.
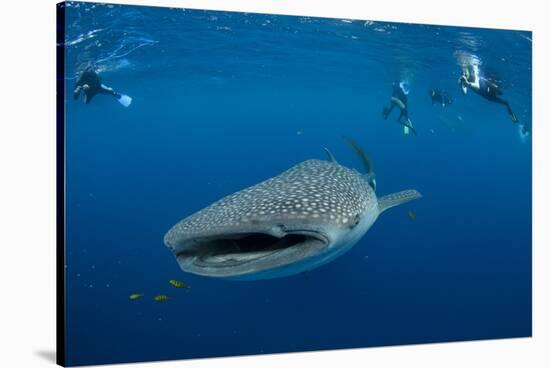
(330, 155)
(395, 199)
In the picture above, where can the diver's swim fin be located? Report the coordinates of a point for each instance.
(125, 100)
(514, 118)
(407, 126)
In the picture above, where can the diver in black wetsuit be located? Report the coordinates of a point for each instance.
(523, 131)
(399, 99)
(441, 97)
(90, 85)
(471, 79)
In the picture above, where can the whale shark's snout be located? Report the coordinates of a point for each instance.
(291, 223)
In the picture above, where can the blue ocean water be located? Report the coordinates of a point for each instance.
(222, 101)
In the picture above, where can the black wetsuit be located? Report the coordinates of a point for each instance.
(441, 97)
(491, 92)
(399, 99)
(397, 94)
(92, 80)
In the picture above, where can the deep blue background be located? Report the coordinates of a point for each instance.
(224, 100)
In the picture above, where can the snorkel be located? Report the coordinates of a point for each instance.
(404, 85)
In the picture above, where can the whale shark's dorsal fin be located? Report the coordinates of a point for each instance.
(330, 155)
(367, 163)
(395, 199)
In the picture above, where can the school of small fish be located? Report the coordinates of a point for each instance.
(161, 297)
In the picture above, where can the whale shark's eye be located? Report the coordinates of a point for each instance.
(355, 220)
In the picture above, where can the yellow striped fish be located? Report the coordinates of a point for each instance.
(135, 296)
(179, 284)
(412, 215)
(161, 298)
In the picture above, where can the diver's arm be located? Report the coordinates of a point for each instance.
(474, 84)
(78, 86)
(466, 82)
(79, 81)
(492, 87)
(76, 92)
(490, 83)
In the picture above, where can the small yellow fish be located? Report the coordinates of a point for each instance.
(135, 296)
(412, 215)
(179, 284)
(161, 298)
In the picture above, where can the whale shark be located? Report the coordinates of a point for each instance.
(294, 222)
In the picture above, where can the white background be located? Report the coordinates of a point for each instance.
(27, 182)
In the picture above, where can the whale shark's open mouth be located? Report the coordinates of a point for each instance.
(228, 255)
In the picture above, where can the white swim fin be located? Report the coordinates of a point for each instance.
(405, 130)
(125, 100)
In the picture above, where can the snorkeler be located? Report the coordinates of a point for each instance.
(441, 97)
(471, 79)
(90, 85)
(399, 99)
(524, 132)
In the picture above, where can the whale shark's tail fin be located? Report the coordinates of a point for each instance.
(395, 199)
(367, 163)
(125, 100)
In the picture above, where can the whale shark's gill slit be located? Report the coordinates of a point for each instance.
(238, 248)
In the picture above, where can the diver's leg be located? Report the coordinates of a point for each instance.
(508, 107)
(511, 113)
(108, 91)
(403, 116)
(405, 121)
(387, 110)
(407, 124)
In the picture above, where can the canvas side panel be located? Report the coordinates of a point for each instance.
(60, 184)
